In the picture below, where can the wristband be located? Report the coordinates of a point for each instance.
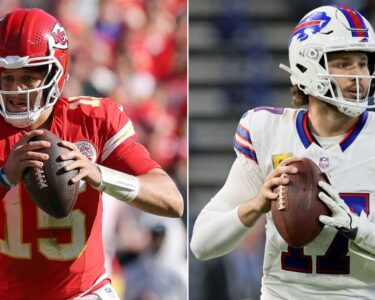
(4, 180)
(120, 185)
(101, 186)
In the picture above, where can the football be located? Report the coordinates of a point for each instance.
(297, 209)
(50, 187)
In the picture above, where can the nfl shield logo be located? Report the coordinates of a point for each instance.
(324, 162)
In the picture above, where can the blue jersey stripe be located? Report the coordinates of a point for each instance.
(301, 132)
(244, 133)
(246, 151)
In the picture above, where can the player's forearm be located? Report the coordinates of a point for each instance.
(216, 233)
(158, 195)
(220, 225)
(249, 212)
(153, 192)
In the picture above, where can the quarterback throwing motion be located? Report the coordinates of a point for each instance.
(331, 55)
(56, 259)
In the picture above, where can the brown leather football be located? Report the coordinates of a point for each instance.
(50, 187)
(296, 211)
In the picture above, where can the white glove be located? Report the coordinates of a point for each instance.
(342, 218)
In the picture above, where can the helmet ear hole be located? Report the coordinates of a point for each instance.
(301, 68)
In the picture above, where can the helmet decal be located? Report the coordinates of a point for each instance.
(355, 20)
(59, 36)
(312, 24)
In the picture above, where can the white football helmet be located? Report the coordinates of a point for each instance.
(323, 30)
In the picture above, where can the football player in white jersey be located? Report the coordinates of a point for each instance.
(331, 66)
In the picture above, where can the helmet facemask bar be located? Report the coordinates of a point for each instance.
(24, 119)
(332, 93)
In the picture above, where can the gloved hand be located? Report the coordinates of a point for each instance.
(342, 218)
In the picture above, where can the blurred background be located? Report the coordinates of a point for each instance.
(135, 52)
(235, 48)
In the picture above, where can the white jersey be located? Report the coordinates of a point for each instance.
(325, 266)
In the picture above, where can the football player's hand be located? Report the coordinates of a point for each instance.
(342, 218)
(25, 154)
(88, 171)
(275, 178)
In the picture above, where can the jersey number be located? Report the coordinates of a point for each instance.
(335, 260)
(12, 245)
(74, 102)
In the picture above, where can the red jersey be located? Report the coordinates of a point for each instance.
(45, 258)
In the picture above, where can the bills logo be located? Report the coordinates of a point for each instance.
(312, 24)
(87, 149)
(59, 37)
(324, 162)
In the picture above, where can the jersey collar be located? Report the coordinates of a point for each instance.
(303, 129)
(307, 138)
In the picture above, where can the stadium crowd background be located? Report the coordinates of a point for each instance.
(135, 52)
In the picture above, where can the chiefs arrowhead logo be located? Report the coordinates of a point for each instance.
(59, 37)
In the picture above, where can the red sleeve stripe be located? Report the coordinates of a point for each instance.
(245, 151)
(244, 143)
(244, 133)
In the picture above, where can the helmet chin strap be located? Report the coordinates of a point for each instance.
(23, 122)
(25, 119)
(350, 111)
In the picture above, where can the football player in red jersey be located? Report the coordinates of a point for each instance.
(42, 257)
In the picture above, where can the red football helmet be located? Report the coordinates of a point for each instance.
(31, 38)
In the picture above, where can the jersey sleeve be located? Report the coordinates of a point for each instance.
(243, 141)
(120, 150)
(255, 136)
(221, 213)
(243, 184)
(364, 243)
(247, 141)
